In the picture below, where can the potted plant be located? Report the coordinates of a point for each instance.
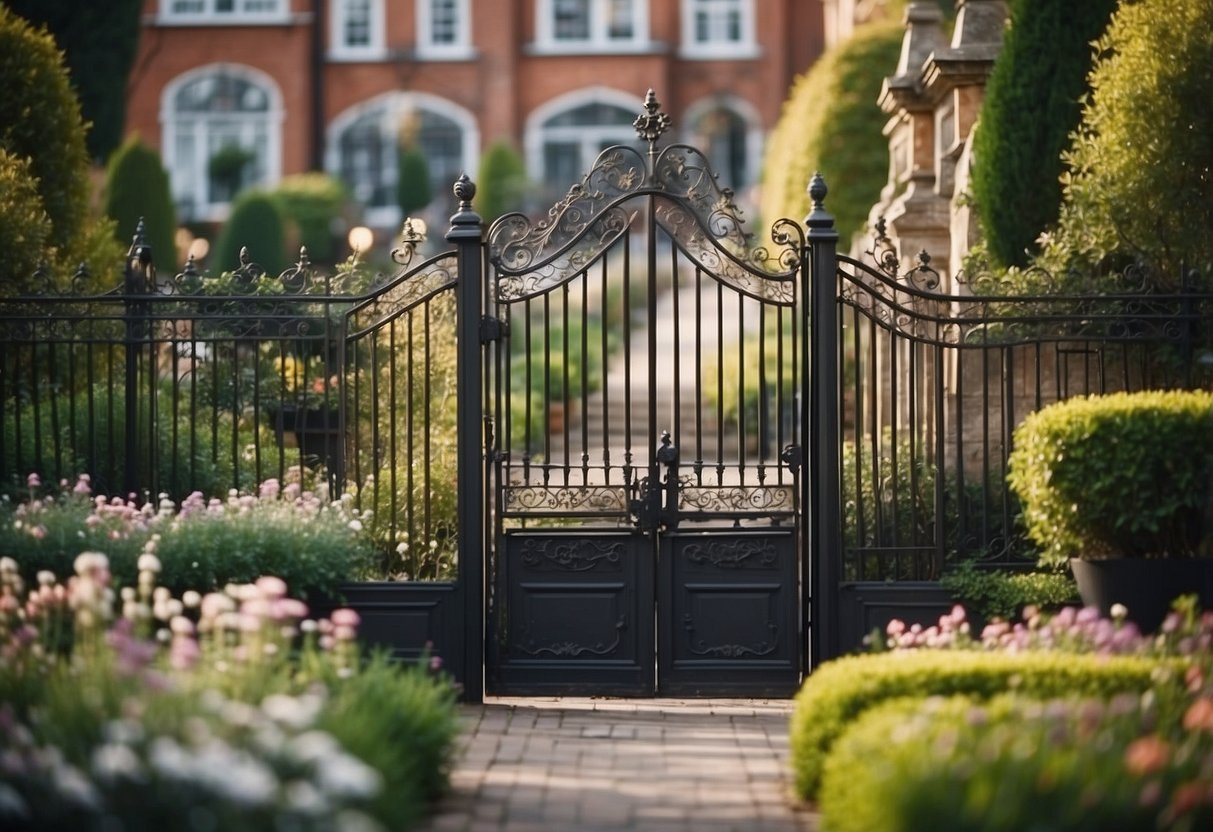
(1119, 487)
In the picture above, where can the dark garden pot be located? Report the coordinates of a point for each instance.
(314, 430)
(1145, 586)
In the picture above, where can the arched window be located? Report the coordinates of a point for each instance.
(221, 134)
(727, 132)
(364, 147)
(566, 135)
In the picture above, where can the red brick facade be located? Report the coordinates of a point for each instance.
(498, 81)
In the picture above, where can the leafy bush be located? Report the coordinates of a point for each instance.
(25, 229)
(996, 593)
(236, 715)
(1042, 69)
(136, 187)
(1138, 186)
(1014, 764)
(839, 692)
(311, 544)
(313, 203)
(1122, 475)
(501, 184)
(832, 123)
(255, 223)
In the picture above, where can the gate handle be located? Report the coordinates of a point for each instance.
(667, 455)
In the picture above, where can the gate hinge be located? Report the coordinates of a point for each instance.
(493, 329)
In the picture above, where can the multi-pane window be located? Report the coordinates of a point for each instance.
(718, 25)
(224, 8)
(600, 24)
(367, 152)
(443, 28)
(356, 28)
(571, 139)
(221, 137)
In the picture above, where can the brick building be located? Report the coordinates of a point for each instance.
(267, 88)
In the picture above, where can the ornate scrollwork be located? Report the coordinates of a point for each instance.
(571, 499)
(730, 651)
(564, 649)
(405, 291)
(733, 554)
(573, 555)
(737, 499)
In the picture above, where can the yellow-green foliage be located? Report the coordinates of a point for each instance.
(1127, 474)
(1014, 763)
(839, 692)
(25, 229)
(831, 123)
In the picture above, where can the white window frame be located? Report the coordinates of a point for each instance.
(706, 50)
(396, 106)
(598, 42)
(460, 50)
(590, 138)
(339, 50)
(274, 115)
(209, 15)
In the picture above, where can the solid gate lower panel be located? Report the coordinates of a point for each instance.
(573, 613)
(728, 621)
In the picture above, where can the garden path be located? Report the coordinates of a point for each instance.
(665, 765)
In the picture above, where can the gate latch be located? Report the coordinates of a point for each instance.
(493, 329)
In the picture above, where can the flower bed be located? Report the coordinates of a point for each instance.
(1066, 722)
(230, 710)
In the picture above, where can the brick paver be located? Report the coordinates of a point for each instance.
(619, 764)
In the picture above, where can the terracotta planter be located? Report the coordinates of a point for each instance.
(1145, 586)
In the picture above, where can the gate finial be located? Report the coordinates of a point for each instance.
(652, 122)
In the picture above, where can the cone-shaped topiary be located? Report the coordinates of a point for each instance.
(136, 187)
(255, 223)
(1032, 104)
(413, 191)
(502, 182)
(313, 202)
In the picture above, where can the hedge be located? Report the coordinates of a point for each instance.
(1121, 475)
(1013, 764)
(841, 691)
(137, 188)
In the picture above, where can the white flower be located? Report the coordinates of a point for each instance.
(1119, 611)
(74, 787)
(344, 776)
(148, 563)
(296, 712)
(113, 761)
(350, 820)
(303, 797)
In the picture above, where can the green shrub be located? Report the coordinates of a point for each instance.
(1013, 764)
(255, 223)
(40, 121)
(1042, 69)
(832, 123)
(996, 593)
(136, 187)
(501, 184)
(25, 228)
(1122, 475)
(413, 191)
(837, 693)
(315, 204)
(1139, 185)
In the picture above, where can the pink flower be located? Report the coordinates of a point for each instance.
(33, 480)
(1146, 755)
(271, 587)
(345, 617)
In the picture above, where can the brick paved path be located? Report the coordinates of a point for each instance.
(622, 764)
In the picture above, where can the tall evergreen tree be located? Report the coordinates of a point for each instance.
(1032, 104)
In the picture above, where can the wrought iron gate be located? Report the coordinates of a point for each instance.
(646, 440)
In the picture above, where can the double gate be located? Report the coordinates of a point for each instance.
(645, 446)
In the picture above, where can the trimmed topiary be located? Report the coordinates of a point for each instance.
(1122, 475)
(137, 187)
(502, 183)
(413, 191)
(1013, 764)
(832, 123)
(1032, 104)
(255, 223)
(836, 694)
(40, 121)
(314, 203)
